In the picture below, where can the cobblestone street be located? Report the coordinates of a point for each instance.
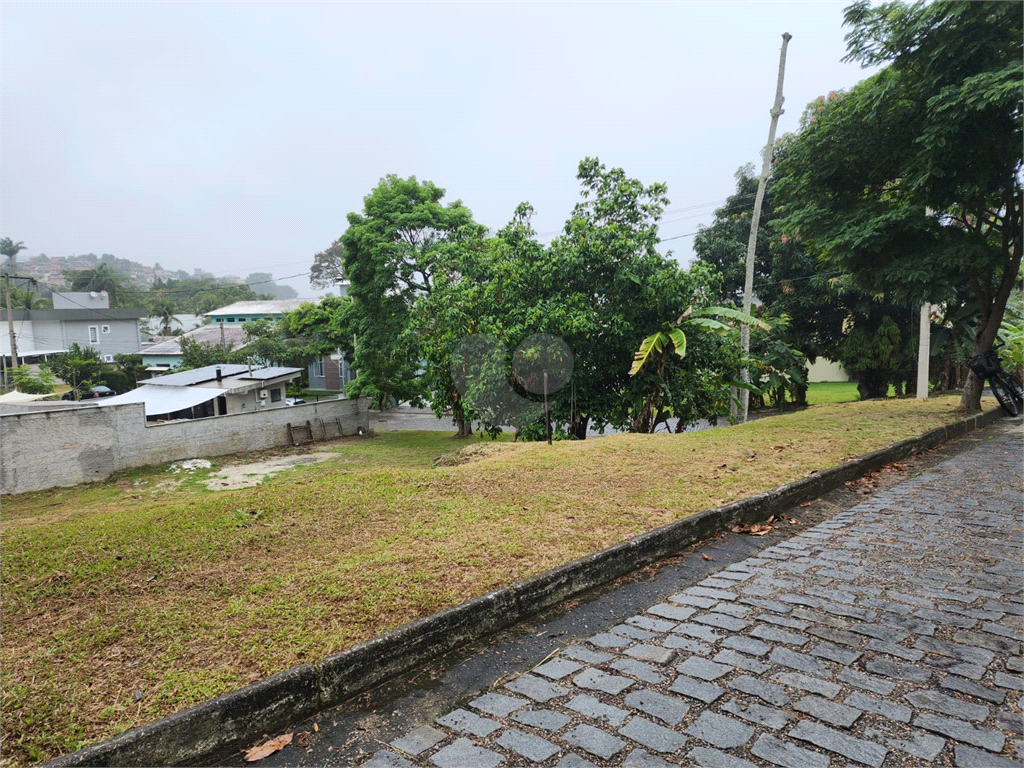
(888, 635)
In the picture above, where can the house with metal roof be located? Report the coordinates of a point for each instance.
(243, 311)
(214, 390)
(167, 354)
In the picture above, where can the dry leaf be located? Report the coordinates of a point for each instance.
(762, 531)
(316, 727)
(708, 557)
(770, 519)
(722, 466)
(268, 747)
(807, 504)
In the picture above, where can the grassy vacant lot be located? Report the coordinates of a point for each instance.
(126, 600)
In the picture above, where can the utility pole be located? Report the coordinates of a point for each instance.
(924, 351)
(10, 320)
(748, 286)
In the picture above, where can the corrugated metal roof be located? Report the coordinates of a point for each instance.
(268, 373)
(198, 375)
(160, 400)
(279, 307)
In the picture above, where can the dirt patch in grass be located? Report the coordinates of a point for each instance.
(470, 454)
(242, 475)
(128, 600)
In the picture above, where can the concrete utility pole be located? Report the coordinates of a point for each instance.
(924, 351)
(748, 286)
(10, 320)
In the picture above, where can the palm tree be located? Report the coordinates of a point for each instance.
(163, 310)
(24, 299)
(10, 249)
(99, 278)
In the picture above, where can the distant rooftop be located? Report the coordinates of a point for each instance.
(207, 334)
(244, 308)
(198, 375)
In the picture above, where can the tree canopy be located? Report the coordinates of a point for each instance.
(910, 182)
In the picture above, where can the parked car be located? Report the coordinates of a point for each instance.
(89, 393)
(293, 401)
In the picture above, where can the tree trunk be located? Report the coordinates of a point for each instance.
(800, 395)
(578, 428)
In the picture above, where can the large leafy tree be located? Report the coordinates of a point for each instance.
(78, 365)
(327, 271)
(390, 253)
(911, 181)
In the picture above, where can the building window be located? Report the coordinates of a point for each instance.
(105, 328)
(94, 334)
(275, 395)
(318, 368)
(229, 319)
(108, 358)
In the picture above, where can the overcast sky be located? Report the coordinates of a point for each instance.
(235, 137)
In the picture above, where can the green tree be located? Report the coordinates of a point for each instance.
(911, 181)
(79, 365)
(197, 354)
(327, 270)
(390, 250)
(263, 282)
(33, 383)
(10, 249)
(131, 366)
(163, 310)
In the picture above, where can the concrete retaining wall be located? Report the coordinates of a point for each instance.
(61, 447)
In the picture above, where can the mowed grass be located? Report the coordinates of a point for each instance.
(127, 600)
(820, 392)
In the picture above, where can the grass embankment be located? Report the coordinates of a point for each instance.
(126, 600)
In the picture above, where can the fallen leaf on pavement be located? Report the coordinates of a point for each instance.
(708, 557)
(268, 747)
(807, 504)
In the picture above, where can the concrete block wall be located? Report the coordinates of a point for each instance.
(63, 447)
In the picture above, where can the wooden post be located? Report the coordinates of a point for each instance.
(547, 408)
(748, 286)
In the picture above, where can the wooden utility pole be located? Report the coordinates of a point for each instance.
(748, 286)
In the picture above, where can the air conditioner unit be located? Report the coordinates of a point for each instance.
(263, 394)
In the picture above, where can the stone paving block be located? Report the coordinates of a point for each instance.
(640, 758)
(419, 740)
(531, 747)
(535, 688)
(596, 680)
(836, 595)
(992, 642)
(942, 617)
(784, 621)
(839, 609)
(572, 760)
(694, 600)
(887, 605)
(717, 583)
(767, 605)
(742, 661)
(696, 689)
(733, 573)
(639, 670)
(498, 704)
(799, 661)
(923, 745)
(467, 722)
(757, 713)
(594, 741)
(899, 651)
(832, 652)
(1012, 722)
(695, 666)
(867, 682)
(654, 653)
(947, 705)
(884, 707)
(955, 650)
(1012, 682)
(909, 623)
(712, 758)
(1012, 608)
(674, 612)
(722, 621)
(596, 709)
(999, 629)
(688, 645)
(829, 711)
(880, 631)
(544, 719)
(773, 694)
(795, 598)
(720, 731)
(609, 640)
(735, 610)
(654, 625)
(787, 755)
(986, 738)
(747, 645)
(809, 684)
(718, 594)
(756, 590)
(920, 602)
(823, 618)
(635, 633)
(698, 631)
(763, 632)
(585, 655)
(858, 750)
(465, 754)
(651, 735)
(384, 759)
(557, 668)
(668, 709)
(887, 668)
(970, 671)
(1016, 664)
(968, 757)
(977, 690)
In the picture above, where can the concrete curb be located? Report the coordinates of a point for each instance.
(216, 727)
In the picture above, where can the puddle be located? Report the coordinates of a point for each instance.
(248, 475)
